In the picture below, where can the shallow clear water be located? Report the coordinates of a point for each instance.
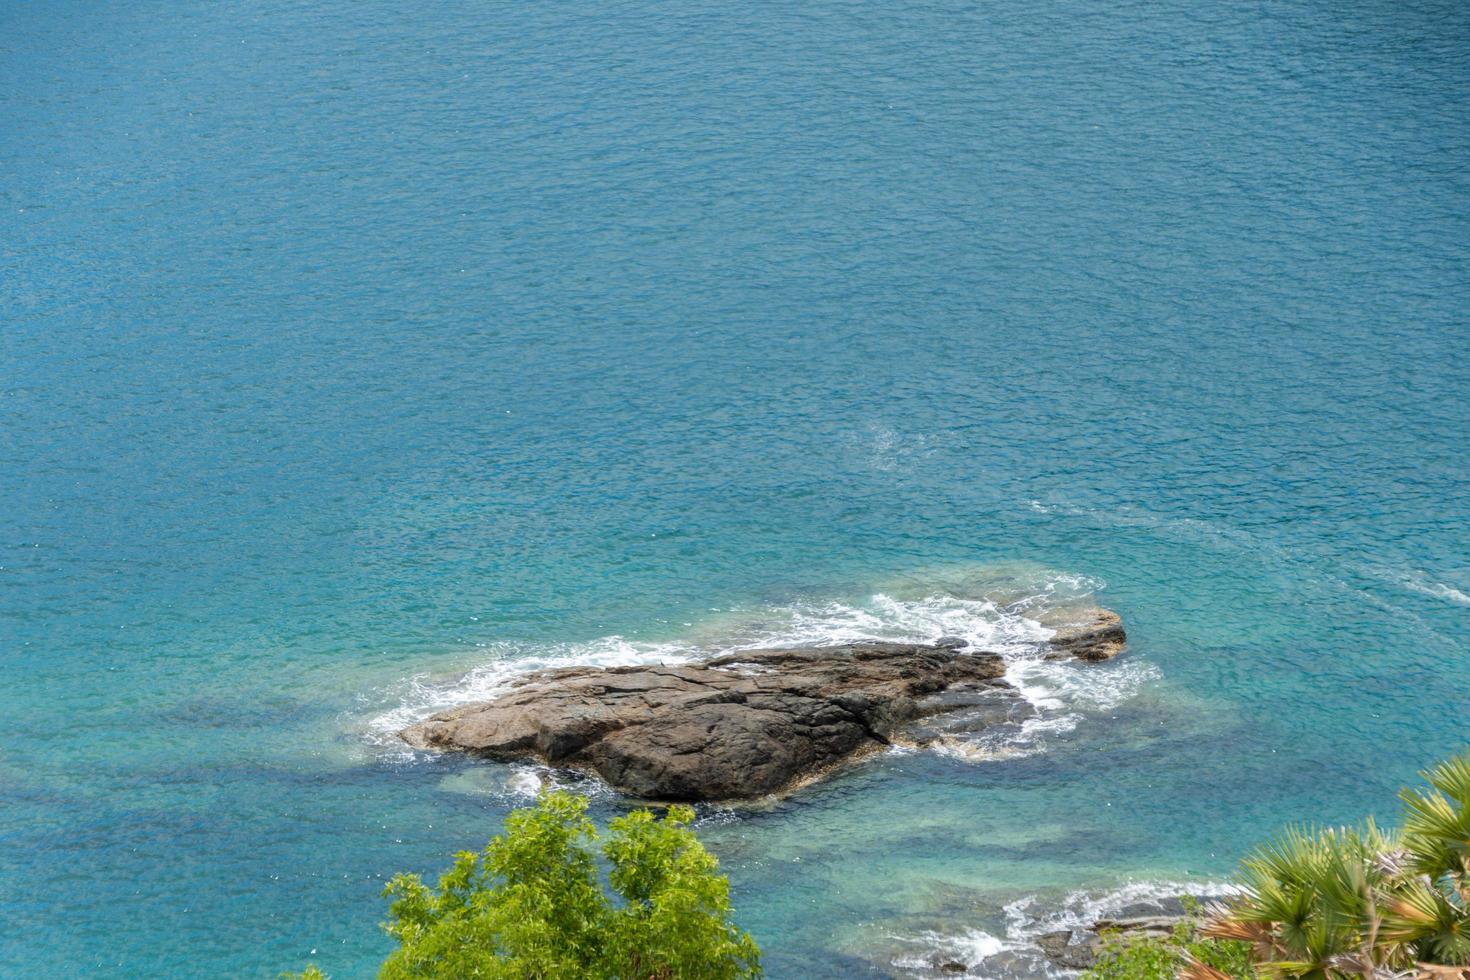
(347, 349)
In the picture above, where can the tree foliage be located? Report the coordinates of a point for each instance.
(1314, 904)
(532, 905)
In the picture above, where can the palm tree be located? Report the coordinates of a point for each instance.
(1429, 910)
(1336, 903)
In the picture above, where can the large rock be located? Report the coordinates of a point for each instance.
(737, 727)
(1090, 633)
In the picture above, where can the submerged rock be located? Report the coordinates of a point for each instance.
(737, 727)
(1071, 949)
(951, 719)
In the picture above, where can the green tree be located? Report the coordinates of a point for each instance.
(531, 906)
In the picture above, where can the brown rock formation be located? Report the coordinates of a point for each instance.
(740, 726)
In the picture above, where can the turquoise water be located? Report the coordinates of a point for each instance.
(347, 349)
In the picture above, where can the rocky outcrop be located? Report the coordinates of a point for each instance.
(1091, 633)
(1077, 949)
(741, 726)
(737, 727)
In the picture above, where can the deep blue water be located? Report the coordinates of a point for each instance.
(345, 348)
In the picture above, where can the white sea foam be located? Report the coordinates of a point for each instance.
(526, 782)
(980, 622)
(1015, 953)
(1062, 693)
(1449, 592)
(889, 450)
(518, 783)
(422, 695)
(1424, 585)
(973, 946)
(1029, 917)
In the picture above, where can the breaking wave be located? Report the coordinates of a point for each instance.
(1014, 953)
(422, 695)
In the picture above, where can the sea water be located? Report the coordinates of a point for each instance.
(356, 357)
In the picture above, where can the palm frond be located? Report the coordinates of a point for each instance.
(1226, 926)
(1438, 971)
(1452, 778)
(1193, 969)
(1437, 821)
